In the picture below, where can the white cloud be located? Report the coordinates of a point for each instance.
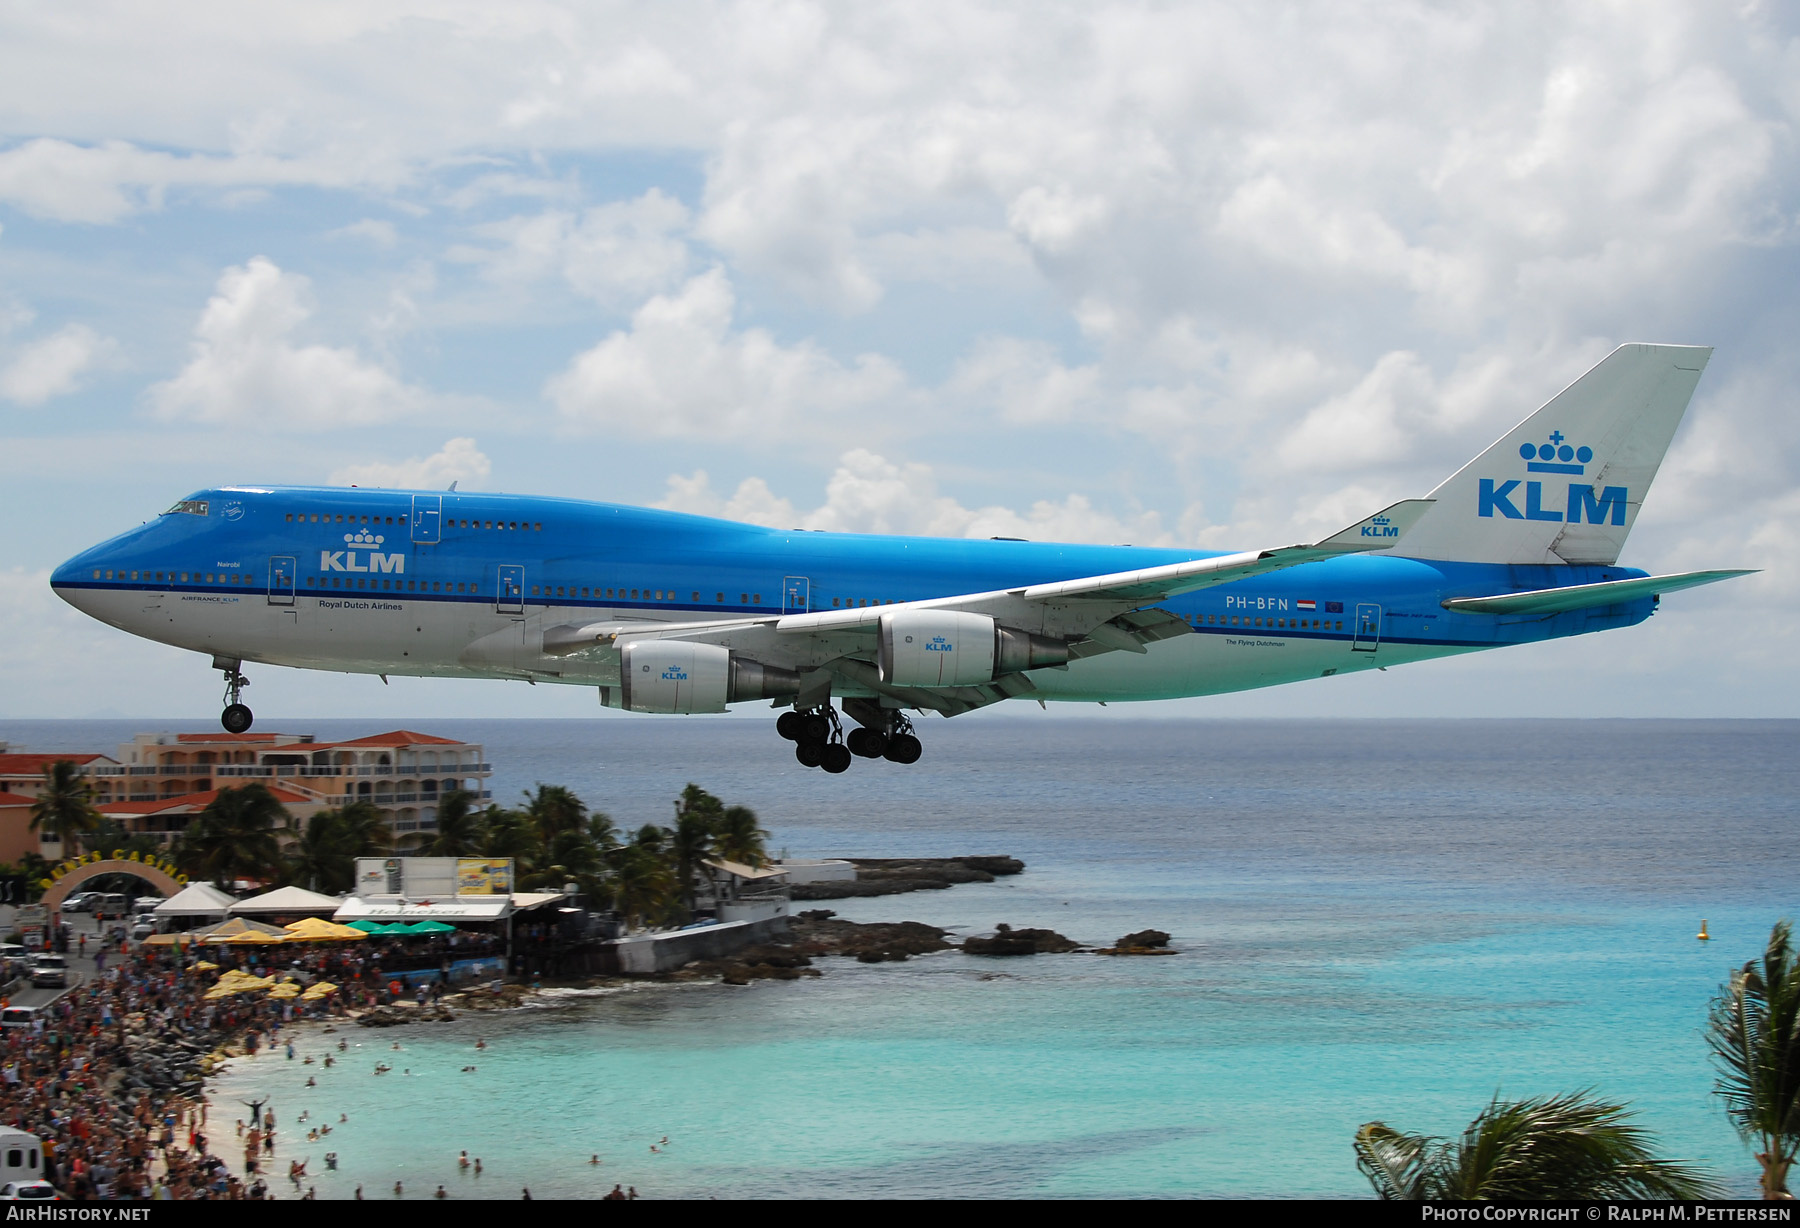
(53, 366)
(246, 368)
(615, 254)
(459, 461)
(867, 493)
(681, 370)
(378, 231)
(1025, 381)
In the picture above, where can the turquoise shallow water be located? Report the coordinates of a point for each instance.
(1378, 920)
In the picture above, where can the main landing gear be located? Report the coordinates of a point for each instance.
(236, 718)
(819, 739)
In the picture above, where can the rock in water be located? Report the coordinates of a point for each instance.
(1145, 938)
(1009, 941)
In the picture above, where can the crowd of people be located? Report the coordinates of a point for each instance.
(68, 1077)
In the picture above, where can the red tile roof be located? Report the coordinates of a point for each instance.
(189, 801)
(21, 764)
(222, 736)
(400, 737)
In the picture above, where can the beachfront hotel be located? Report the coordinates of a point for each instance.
(157, 782)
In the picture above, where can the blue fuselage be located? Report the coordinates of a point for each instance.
(400, 582)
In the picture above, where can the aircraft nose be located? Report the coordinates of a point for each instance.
(74, 581)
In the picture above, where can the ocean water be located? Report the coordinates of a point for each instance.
(1377, 920)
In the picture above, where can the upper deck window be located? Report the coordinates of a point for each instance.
(188, 507)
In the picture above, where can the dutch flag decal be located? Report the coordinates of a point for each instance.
(1307, 604)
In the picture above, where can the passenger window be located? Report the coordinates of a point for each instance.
(15, 1158)
(834, 603)
(756, 599)
(721, 598)
(290, 517)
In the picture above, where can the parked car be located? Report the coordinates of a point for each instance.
(145, 903)
(81, 901)
(50, 971)
(28, 1191)
(18, 1017)
(11, 955)
(109, 904)
(143, 926)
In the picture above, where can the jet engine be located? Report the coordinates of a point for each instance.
(681, 676)
(952, 648)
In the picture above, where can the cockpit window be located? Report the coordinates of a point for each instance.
(188, 507)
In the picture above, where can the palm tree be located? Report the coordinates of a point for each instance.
(642, 884)
(1570, 1147)
(690, 844)
(740, 839)
(64, 809)
(459, 828)
(317, 857)
(509, 833)
(1754, 1030)
(235, 836)
(554, 809)
(365, 831)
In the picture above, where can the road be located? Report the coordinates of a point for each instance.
(81, 964)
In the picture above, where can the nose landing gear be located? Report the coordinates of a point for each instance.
(236, 718)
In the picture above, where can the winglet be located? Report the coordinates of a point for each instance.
(1382, 531)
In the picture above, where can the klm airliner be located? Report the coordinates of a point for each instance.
(670, 613)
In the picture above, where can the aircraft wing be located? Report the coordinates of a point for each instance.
(1102, 613)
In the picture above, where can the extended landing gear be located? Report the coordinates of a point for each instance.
(819, 740)
(236, 718)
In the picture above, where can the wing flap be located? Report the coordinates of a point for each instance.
(1588, 596)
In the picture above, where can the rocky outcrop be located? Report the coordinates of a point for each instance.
(1008, 941)
(769, 962)
(895, 876)
(818, 932)
(391, 1016)
(486, 998)
(1144, 942)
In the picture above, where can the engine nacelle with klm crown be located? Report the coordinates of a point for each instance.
(931, 648)
(677, 676)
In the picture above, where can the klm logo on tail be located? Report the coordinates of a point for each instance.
(1380, 526)
(345, 560)
(1608, 505)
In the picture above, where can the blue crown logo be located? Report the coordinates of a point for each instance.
(1381, 520)
(1556, 456)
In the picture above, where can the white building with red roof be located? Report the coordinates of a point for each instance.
(159, 781)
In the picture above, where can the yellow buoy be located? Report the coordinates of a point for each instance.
(1703, 935)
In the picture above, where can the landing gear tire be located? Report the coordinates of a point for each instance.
(836, 758)
(904, 748)
(814, 727)
(868, 743)
(810, 754)
(788, 725)
(236, 718)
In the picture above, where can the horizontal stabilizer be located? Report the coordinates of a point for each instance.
(1587, 596)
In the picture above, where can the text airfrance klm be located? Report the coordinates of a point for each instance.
(1609, 504)
(345, 560)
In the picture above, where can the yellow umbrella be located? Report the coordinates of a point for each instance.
(250, 938)
(205, 965)
(316, 929)
(320, 990)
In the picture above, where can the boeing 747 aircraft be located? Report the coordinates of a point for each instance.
(670, 613)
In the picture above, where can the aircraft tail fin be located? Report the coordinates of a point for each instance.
(1566, 484)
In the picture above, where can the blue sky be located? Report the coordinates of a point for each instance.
(1207, 275)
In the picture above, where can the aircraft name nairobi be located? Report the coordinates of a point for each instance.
(345, 560)
(1609, 504)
